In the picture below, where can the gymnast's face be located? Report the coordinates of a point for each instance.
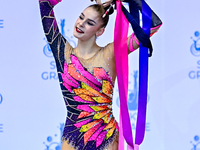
(88, 25)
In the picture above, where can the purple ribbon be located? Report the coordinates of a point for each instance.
(143, 76)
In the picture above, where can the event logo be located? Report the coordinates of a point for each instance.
(195, 47)
(133, 102)
(52, 74)
(1, 128)
(1, 23)
(195, 50)
(1, 98)
(47, 50)
(53, 145)
(196, 144)
(1, 125)
(195, 74)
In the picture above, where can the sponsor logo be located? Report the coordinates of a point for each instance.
(133, 101)
(195, 143)
(52, 74)
(195, 50)
(1, 23)
(195, 74)
(195, 47)
(1, 128)
(51, 144)
(1, 98)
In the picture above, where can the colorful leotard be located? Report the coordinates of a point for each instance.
(87, 88)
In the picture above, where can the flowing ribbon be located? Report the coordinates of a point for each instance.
(121, 60)
(143, 76)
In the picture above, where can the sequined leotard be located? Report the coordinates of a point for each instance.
(87, 88)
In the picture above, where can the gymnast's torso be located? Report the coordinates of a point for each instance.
(87, 87)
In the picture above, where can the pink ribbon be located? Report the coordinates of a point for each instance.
(121, 60)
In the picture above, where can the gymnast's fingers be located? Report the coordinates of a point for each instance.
(98, 1)
(107, 3)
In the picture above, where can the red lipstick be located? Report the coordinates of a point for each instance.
(79, 30)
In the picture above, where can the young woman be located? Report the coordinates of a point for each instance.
(87, 75)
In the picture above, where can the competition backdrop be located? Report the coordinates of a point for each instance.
(32, 111)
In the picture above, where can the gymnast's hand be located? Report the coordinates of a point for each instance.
(52, 2)
(97, 1)
(105, 3)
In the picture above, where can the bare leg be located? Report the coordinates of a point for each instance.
(66, 146)
(114, 146)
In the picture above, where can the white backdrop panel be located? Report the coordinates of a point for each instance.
(32, 111)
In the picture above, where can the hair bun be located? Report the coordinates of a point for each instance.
(110, 11)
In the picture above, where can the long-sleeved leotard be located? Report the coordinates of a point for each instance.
(87, 88)
(55, 39)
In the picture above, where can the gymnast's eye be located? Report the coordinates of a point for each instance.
(91, 24)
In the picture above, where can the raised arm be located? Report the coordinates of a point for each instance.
(55, 39)
(133, 17)
(133, 42)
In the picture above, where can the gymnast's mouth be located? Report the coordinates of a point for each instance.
(79, 30)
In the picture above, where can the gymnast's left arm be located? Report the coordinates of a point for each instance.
(54, 37)
(132, 41)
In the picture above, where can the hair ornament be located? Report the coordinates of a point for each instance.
(107, 11)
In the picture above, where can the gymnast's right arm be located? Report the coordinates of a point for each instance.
(55, 39)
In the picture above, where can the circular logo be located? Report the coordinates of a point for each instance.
(195, 47)
(49, 139)
(196, 138)
(194, 50)
(47, 51)
(1, 98)
(196, 33)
